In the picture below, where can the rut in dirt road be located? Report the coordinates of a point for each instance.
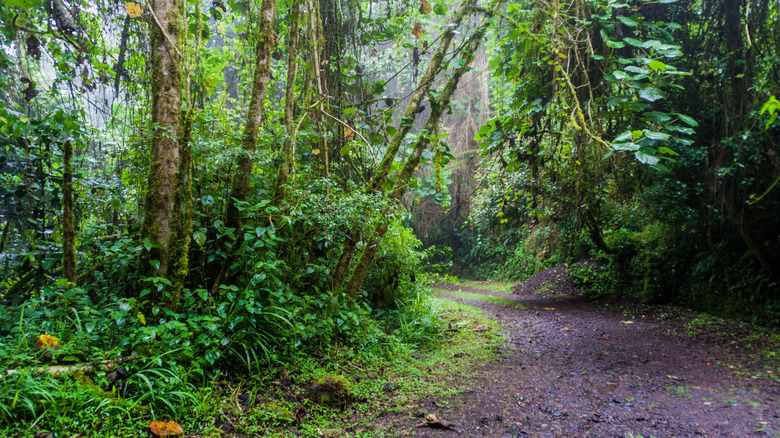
(571, 368)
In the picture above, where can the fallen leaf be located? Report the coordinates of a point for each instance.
(47, 341)
(299, 414)
(480, 329)
(165, 428)
(417, 31)
(349, 134)
(436, 422)
(134, 10)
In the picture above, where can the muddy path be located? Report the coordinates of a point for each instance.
(571, 368)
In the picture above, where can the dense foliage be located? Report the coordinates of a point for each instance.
(640, 139)
(177, 208)
(194, 192)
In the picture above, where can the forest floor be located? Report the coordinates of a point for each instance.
(571, 367)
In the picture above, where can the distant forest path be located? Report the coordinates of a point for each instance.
(571, 368)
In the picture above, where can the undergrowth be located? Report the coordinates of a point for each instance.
(405, 350)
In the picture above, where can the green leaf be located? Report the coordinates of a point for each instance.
(615, 44)
(682, 129)
(24, 3)
(199, 237)
(635, 69)
(687, 120)
(657, 116)
(657, 135)
(627, 21)
(623, 137)
(651, 94)
(620, 75)
(628, 146)
(646, 156)
(658, 65)
(378, 88)
(666, 150)
(440, 9)
(633, 41)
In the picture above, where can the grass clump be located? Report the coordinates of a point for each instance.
(475, 296)
(493, 286)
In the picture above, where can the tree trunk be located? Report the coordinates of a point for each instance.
(315, 33)
(68, 221)
(288, 159)
(182, 214)
(254, 119)
(164, 155)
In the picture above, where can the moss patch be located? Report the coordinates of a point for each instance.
(493, 286)
(476, 296)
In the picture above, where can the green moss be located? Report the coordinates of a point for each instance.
(331, 391)
(280, 412)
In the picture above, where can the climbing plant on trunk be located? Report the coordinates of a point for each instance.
(166, 76)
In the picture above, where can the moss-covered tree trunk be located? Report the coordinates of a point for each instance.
(429, 134)
(166, 122)
(68, 220)
(288, 159)
(182, 215)
(254, 119)
(316, 40)
(405, 125)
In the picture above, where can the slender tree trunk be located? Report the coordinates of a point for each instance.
(315, 34)
(430, 132)
(289, 104)
(182, 214)
(164, 155)
(405, 125)
(183, 201)
(254, 119)
(68, 221)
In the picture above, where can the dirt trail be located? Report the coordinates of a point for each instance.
(571, 369)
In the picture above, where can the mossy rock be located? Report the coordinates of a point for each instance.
(331, 391)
